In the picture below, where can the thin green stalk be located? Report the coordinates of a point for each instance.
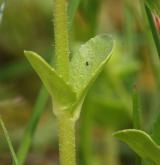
(66, 132)
(136, 109)
(136, 117)
(15, 161)
(29, 132)
(154, 31)
(61, 38)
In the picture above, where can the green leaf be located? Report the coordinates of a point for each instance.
(88, 62)
(61, 91)
(154, 5)
(141, 143)
(14, 157)
(85, 66)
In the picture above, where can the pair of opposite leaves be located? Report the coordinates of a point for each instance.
(85, 66)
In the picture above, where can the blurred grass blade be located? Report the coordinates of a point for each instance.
(136, 117)
(156, 130)
(9, 142)
(156, 37)
(2, 7)
(72, 8)
(136, 109)
(154, 5)
(29, 132)
(155, 34)
(141, 143)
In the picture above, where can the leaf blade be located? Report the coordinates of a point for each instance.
(141, 143)
(87, 63)
(55, 85)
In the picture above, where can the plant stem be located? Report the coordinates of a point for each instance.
(61, 38)
(66, 125)
(38, 108)
(66, 131)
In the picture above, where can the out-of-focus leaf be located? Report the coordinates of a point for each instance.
(156, 130)
(110, 114)
(87, 19)
(90, 11)
(141, 143)
(9, 142)
(72, 8)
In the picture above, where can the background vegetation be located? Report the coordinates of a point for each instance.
(27, 25)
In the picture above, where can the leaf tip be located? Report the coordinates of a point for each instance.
(118, 134)
(28, 53)
(123, 133)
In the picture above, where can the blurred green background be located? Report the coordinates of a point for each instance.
(27, 25)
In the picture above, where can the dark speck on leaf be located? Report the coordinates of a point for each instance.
(87, 63)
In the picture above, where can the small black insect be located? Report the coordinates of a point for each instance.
(87, 63)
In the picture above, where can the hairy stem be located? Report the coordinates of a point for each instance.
(39, 105)
(61, 38)
(66, 131)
